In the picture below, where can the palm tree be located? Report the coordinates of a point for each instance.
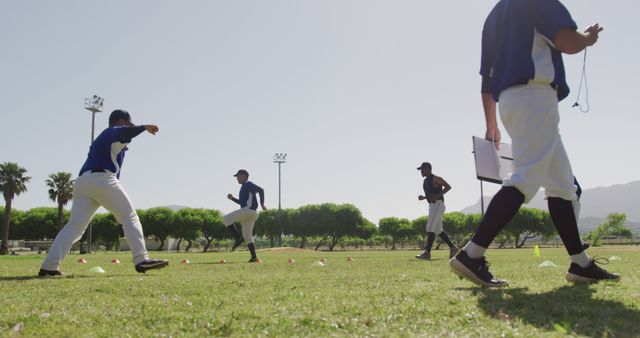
(60, 190)
(12, 183)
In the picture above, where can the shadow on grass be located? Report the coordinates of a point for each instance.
(20, 278)
(569, 309)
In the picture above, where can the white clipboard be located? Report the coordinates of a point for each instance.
(491, 165)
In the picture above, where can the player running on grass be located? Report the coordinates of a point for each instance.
(434, 189)
(99, 185)
(247, 215)
(522, 69)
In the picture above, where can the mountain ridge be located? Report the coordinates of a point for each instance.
(596, 204)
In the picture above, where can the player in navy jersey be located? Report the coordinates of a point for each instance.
(98, 185)
(434, 189)
(247, 214)
(522, 69)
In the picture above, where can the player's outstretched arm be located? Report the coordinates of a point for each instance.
(151, 128)
(126, 134)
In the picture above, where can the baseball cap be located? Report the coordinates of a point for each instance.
(424, 165)
(119, 114)
(241, 172)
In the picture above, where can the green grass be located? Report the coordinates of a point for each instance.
(379, 293)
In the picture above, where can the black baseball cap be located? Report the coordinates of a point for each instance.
(241, 172)
(424, 165)
(119, 114)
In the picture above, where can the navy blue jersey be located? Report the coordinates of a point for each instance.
(429, 189)
(517, 45)
(107, 151)
(247, 196)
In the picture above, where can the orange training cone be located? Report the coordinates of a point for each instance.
(349, 259)
(323, 260)
(82, 261)
(222, 261)
(115, 261)
(185, 261)
(291, 261)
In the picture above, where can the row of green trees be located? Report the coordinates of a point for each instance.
(527, 224)
(13, 182)
(614, 226)
(323, 224)
(319, 225)
(329, 222)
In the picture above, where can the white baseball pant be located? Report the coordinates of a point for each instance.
(530, 115)
(436, 212)
(247, 218)
(90, 191)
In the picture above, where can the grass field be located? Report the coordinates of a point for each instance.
(379, 293)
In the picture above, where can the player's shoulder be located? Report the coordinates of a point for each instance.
(438, 178)
(109, 132)
(252, 185)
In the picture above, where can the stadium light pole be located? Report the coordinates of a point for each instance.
(280, 158)
(93, 104)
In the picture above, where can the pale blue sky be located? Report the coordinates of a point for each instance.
(358, 93)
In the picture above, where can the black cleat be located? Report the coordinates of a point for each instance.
(592, 273)
(151, 264)
(425, 255)
(237, 243)
(50, 273)
(475, 270)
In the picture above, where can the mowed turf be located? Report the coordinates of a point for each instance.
(379, 293)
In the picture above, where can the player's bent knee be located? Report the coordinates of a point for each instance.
(227, 221)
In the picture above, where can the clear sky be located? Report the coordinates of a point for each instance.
(357, 93)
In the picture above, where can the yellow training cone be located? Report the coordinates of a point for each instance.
(536, 251)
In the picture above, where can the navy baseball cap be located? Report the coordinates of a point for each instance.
(119, 114)
(241, 172)
(424, 165)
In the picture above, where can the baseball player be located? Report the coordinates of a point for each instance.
(98, 185)
(247, 215)
(522, 69)
(434, 189)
